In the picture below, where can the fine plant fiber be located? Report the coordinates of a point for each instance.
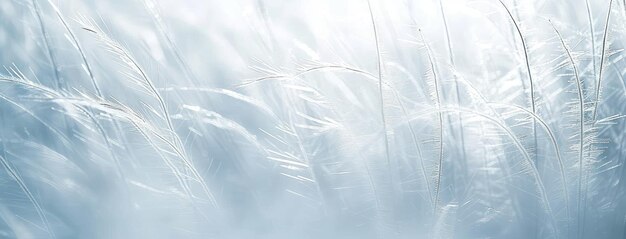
(312, 119)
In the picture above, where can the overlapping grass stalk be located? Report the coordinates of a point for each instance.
(312, 119)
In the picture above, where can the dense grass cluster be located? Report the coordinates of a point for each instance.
(312, 119)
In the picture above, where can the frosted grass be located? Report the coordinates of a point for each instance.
(312, 119)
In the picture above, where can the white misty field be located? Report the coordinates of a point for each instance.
(236, 119)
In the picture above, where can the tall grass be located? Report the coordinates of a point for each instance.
(312, 119)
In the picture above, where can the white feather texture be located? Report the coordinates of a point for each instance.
(312, 119)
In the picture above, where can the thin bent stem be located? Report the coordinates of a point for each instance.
(440, 120)
(456, 84)
(593, 38)
(380, 82)
(46, 42)
(78, 47)
(581, 115)
(595, 112)
(603, 55)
